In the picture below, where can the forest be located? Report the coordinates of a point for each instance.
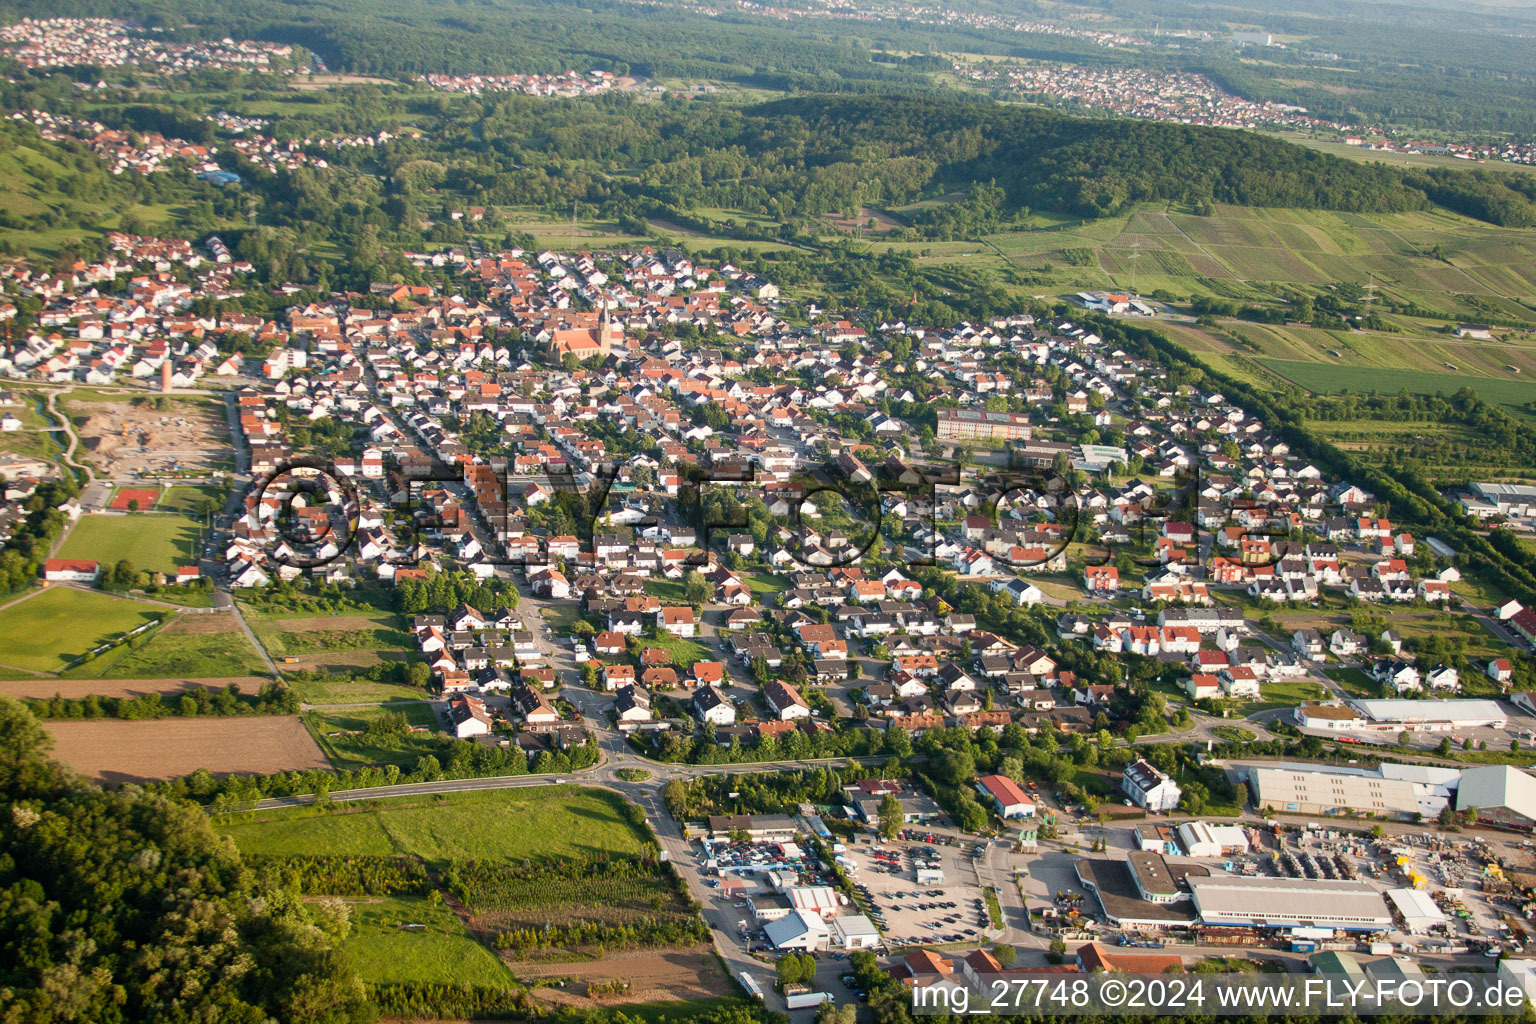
(124, 905)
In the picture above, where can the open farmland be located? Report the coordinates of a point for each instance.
(206, 646)
(1322, 361)
(114, 750)
(151, 541)
(43, 687)
(664, 975)
(536, 822)
(45, 631)
(1331, 380)
(334, 642)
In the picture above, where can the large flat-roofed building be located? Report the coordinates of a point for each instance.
(1119, 892)
(1502, 500)
(979, 424)
(1300, 790)
(1499, 795)
(1248, 901)
(1431, 715)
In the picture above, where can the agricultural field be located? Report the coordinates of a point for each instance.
(527, 823)
(1322, 378)
(116, 750)
(151, 541)
(410, 939)
(210, 646)
(1330, 361)
(1456, 450)
(47, 630)
(550, 878)
(357, 737)
(44, 687)
(335, 642)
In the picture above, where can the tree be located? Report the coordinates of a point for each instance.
(696, 589)
(1005, 955)
(1058, 951)
(891, 818)
(795, 969)
(831, 1013)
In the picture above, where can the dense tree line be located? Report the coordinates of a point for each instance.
(120, 906)
(452, 759)
(274, 698)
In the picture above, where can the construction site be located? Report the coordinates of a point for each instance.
(152, 437)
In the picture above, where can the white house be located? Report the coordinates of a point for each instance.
(712, 707)
(1148, 787)
(467, 716)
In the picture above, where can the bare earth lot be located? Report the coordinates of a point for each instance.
(654, 976)
(48, 687)
(123, 438)
(128, 751)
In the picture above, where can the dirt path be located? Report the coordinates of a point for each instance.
(234, 606)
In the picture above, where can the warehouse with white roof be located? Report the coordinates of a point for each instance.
(1248, 901)
(1431, 715)
(1418, 910)
(1500, 795)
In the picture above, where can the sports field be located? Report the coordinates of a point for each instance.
(152, 542)
(526, 823)
(45, 632)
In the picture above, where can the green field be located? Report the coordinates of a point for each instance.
(164, 654)
(33, 439)
(344, 736)
(529, 823)
(345, 689)
(683, 650)
(44, 633)
(1327, 379)
(386, 953)
(185, 498)
(151, 541)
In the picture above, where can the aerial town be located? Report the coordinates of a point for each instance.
(1160, 566)
(679, 513)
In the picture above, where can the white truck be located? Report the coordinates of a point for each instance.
(805, 1000)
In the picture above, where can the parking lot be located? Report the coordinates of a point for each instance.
(910, 912)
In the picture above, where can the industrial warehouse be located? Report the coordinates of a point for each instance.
(1393, 791)
(1392, 716)
(1255, 902)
